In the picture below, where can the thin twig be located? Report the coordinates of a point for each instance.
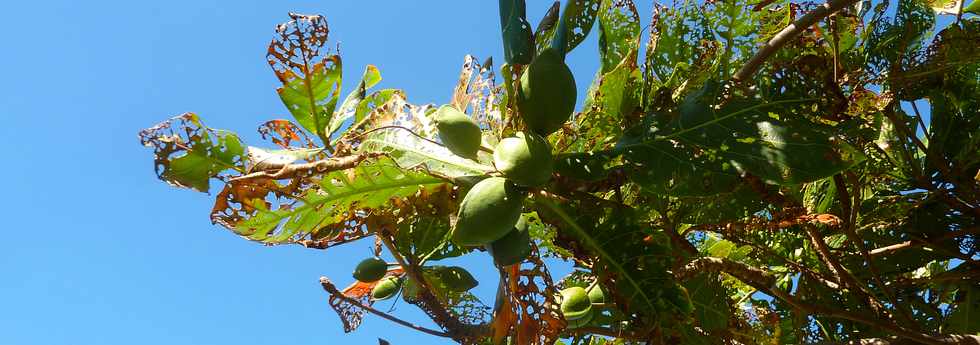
(765, 282)
(787, 34)
(333, 291)
(840, 272)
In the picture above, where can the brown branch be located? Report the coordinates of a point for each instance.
(333, 291)
(286, 171)
(848, 227)
(952, 339)
(973, 230)
(609, 332)
(841, 273)
(440, 315)
(765, 282)
(787, 34)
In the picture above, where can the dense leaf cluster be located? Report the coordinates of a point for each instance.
(831, 196)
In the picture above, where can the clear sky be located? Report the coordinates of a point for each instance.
(98, 251)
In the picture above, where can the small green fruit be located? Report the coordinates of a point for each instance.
(456, 278)
(488, 212)
(546, 97)
(575, 304)
(458, 132)
(370, 270)
(525, 159)
(386, 288)
(513, 247)
(585, 320)
(596, 295)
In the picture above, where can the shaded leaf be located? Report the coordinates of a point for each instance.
(711, 306)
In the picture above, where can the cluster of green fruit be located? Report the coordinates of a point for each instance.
(577, 304)
(490, 213)
(375, 270)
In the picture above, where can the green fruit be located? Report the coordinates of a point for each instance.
(513, 247)
(488, 212)
(546, 98)
(585, 320)
(456, 278)
(524, 159)
(458, 132)
(575, 304)
(370, 269)
(596, 295)
(386, 288)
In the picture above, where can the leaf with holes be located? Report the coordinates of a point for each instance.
(619, 32)
(579, 16)
(310, 78)
(335, 208)
(354, 106)
(188, 154)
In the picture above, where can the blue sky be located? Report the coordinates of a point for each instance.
(101, 252)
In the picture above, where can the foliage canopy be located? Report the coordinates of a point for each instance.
(754, 171)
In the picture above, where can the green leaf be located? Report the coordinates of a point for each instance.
(618, 249)
(579, 17)
(188, 154)
(965, 318)
(310, 81)
(333, 202)
(765, 138)
(611, 98)
(974, 7)
(711, 305)
(354, 106)
(516, 32)
(619, 33)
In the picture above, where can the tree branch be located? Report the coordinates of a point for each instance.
(787, 34)
(842, 274)
(952, 339)
(286, 171)
(765, 282)
(333, 291)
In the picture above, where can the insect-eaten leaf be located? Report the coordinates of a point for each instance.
(188, 154)
(310, 77)
(338, 207)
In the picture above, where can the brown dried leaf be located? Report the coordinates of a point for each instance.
(532, 295)
(350, 314)
(477, 90)
(284, 133)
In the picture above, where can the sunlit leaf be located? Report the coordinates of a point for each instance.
(188, 154)
(335, 209)
(310, 78)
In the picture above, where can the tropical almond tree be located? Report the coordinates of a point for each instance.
(755, 171)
